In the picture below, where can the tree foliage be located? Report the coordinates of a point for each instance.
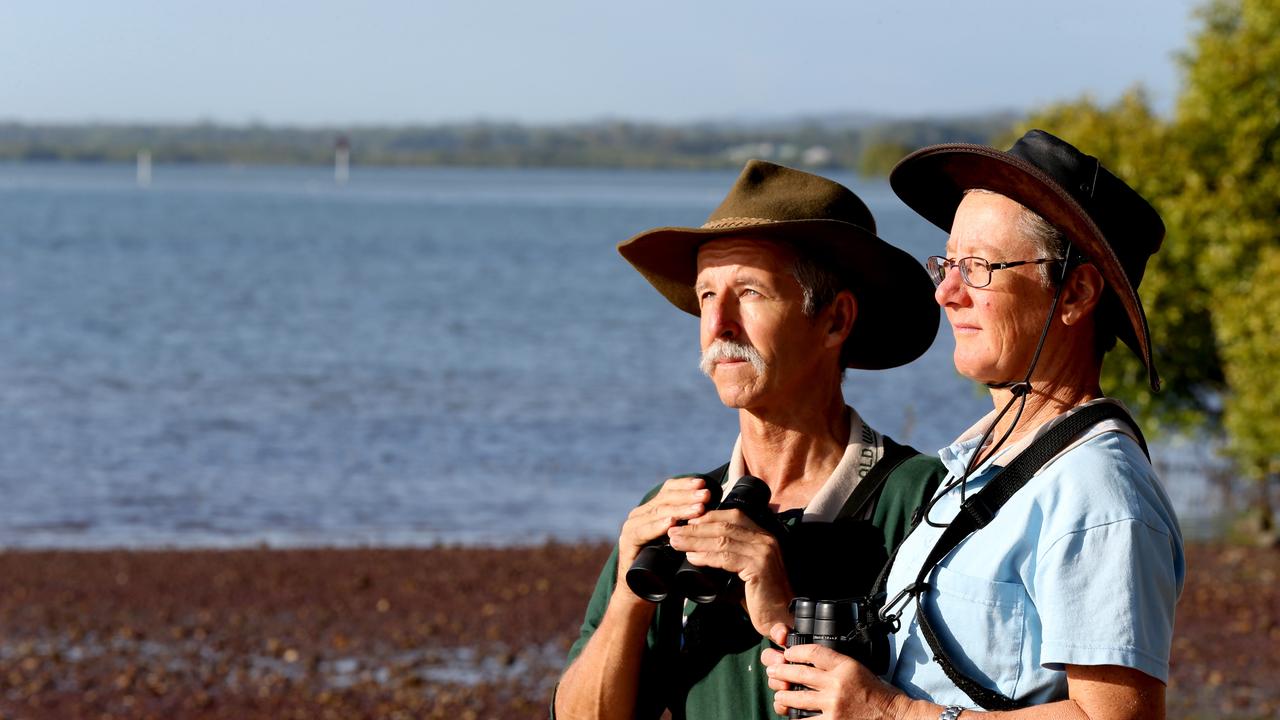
(1229, 118)
(1212, 293)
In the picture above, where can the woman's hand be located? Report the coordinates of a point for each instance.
(840, 687)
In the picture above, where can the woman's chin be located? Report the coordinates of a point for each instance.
(973, 368)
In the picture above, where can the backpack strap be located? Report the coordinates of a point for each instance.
(868, 488)
(976, 512)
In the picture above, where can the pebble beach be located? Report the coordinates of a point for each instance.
(432, 633)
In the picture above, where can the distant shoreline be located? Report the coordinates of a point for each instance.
(868, 145)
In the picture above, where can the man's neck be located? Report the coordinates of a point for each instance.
(794, 452)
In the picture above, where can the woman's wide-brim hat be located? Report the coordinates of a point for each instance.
(897, 318)
(1104, 218)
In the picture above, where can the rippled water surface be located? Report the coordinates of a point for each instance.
(244, 355)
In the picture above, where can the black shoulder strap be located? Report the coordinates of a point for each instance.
(976, 512)
(869, 486)
(719, 474)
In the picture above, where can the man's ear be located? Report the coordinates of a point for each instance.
(1081, 293)
(839, 317)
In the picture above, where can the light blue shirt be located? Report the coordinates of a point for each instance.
(1082, 566)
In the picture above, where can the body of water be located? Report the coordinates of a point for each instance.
(242, 355)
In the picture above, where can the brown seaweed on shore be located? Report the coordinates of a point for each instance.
(427, 633)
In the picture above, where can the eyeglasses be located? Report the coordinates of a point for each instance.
(974, 271)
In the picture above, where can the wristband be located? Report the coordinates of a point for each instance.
(951, 712)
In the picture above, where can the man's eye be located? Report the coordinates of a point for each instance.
(706, 294)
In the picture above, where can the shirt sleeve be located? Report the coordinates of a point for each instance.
(1105, 596)
(647, 705)
(596, 606)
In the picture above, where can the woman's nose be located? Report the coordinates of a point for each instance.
(951, 290)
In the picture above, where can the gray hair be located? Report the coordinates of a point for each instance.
(819, 285)
(1049, 241)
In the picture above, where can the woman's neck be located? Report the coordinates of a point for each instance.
(1045, 402)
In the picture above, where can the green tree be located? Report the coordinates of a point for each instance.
(879, 156)
(1229, 119)
(1213, 173)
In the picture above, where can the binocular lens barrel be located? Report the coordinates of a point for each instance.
(805, 614)
(658, 568)
(704, 584)
(653, 572)
(828, 625)
(647, 576)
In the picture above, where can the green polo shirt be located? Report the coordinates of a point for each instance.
(708, 664)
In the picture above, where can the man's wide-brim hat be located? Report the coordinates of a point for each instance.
(897, 318)
(1104, 218)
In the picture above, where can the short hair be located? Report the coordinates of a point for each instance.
(1049, 241)
(819, 285)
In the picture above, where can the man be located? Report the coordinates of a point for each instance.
(791, 286)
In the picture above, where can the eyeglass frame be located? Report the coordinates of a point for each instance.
(936, 266)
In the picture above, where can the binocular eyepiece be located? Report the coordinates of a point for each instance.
(852, 627)
(659, 568)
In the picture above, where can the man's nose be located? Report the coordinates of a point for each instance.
(720, 317)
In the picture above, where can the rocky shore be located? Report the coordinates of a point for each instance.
(431, 633)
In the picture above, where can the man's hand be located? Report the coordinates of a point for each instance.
(681, 498)
(729, 540)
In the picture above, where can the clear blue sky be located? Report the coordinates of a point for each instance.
(332, 62)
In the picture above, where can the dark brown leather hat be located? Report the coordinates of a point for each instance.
(1106, 219)
(897, 317)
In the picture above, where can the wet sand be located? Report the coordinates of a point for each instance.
(427, 633)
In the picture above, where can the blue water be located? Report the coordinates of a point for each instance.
(257, 355)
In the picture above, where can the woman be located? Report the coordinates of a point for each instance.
(1061, 604)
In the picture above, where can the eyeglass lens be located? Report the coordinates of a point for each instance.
(974, 271)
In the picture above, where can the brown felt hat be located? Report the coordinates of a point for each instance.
(897, 317)
(1104, 218)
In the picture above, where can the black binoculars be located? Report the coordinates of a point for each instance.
(659, 568)
(851, 627)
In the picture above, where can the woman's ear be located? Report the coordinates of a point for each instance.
(1081, 293)
(839, 316)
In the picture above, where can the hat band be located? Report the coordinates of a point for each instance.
(733, 222)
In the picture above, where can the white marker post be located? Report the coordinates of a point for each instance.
(341, 160)
(144, 168)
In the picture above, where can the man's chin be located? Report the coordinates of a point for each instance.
(734, 395)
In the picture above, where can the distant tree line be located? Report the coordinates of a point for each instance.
(870, 146)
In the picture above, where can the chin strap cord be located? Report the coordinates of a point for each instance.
(1018, 392)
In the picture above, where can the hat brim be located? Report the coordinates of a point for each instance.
(932, 181)
(897, 318)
